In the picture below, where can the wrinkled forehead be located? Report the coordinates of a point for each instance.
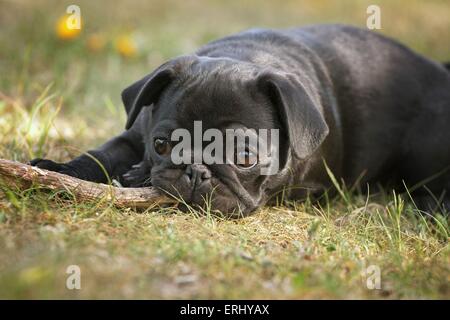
(217, 99)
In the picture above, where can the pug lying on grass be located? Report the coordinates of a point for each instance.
(340, 99)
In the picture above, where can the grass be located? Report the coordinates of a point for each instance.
(60, 98)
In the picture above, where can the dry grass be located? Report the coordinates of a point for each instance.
(58, 98)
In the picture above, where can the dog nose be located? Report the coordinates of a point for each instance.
(197, 173)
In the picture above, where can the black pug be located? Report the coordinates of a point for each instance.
(358, 102)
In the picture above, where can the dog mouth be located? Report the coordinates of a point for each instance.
(221, 194)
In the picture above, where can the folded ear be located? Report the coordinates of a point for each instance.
(302, 118)
(146, 91)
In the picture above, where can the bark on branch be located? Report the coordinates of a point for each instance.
(16, 174)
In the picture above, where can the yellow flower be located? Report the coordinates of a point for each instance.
(96, 42)
(126, 46)
(33, 275)
(65, 32)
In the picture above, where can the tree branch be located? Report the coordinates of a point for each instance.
(16, 174)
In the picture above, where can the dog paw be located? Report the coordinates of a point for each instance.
(138, 176)
(53, 166)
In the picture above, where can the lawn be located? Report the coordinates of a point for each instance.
(59, 97)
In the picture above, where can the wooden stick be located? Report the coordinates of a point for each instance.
(16, 174)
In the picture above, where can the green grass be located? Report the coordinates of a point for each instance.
(58, 99)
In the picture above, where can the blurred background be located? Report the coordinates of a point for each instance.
(58, 82)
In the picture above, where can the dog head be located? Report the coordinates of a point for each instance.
(203, 100)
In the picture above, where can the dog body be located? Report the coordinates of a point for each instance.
(366, 106)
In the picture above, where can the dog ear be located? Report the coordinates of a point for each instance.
(145, 91)
(302, 118)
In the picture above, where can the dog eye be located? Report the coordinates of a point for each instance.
(162, 146)
(246, 159)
